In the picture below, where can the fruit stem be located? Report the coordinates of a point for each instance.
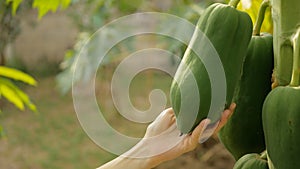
(260, 18)
(296, 58)
(234, 3)
(264, 155)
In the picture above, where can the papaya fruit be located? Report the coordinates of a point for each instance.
(281, 117)
(251, 161)
(281, 124)
(243, 133)
(229, 31)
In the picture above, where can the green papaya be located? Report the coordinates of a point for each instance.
(251, 161)
(243, 133)
(281, 124)
(229, 31)
(281, 117)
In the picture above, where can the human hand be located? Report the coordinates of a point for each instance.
(166, 120)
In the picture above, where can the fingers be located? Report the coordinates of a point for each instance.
(225, 116)
(168, 118)
(199, 130)
(232, 107)
(165, 116)
(161, 123)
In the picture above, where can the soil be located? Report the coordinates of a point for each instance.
(209, 155)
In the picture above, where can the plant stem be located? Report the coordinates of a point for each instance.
(286, 17)
(261, 15)
(296, 59)
(264, 155)
(234, 3)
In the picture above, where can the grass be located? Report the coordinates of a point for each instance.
(54, 139)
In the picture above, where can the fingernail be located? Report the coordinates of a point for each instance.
(208, 130)
(227, 113)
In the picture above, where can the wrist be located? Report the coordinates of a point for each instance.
(136, 157)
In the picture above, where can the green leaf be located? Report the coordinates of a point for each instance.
(18, 93)
(65, 3)
(11, 96)
(252, 8)
(17, 75)
(24, 97)
(15, 5)
(44, 6)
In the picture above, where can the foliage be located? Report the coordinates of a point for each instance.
(90, 15)
(9, 28)
(15, 5)
(43, 6)
(252, 7)
(11, 92)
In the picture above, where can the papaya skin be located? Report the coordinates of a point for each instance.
(229, 31)
(243, 133)
(251, 161)
(281, 124)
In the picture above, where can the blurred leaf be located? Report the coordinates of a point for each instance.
(10, 95)
(15, 5)
(129, 6)
(65, 3)
(17, 75)
(252, 7)
(25, 98)
(45, 6)
(65, 78)
(15, 95)
(64, 81)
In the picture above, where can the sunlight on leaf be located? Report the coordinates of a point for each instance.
(15, 5)
(17, 75)
(24, 97)
(65, 3)
(267, 25)
(44, 6)
(246, 4)
(15, 95)
(11, 96)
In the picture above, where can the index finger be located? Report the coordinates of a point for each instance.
(225, 116)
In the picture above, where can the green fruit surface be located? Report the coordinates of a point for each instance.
(229, 31)
(243, 133)
(281, 124)
(251, 161)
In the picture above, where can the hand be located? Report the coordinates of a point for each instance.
(162, 133)
(190, 141)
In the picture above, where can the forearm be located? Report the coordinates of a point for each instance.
(128, 163)
(125, 162)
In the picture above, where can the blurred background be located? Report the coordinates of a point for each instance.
(39, 42)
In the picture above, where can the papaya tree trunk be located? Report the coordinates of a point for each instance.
(9, 28)
(4, 18)
(286, 17)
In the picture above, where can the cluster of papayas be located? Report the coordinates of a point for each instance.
(264, 119)
(243, 132)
